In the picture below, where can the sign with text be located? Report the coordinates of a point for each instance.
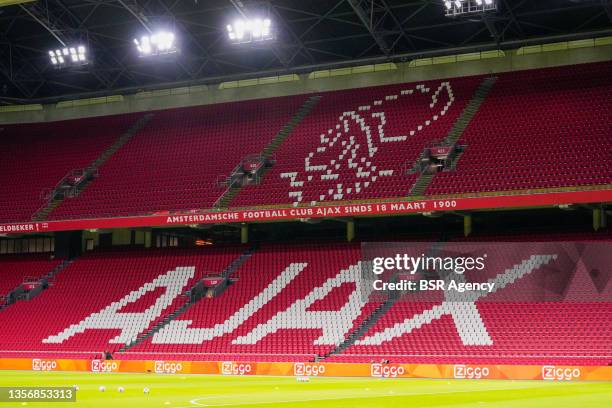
(321, 369)
(399, 207)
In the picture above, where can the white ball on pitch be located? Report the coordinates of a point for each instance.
(120, 389)
(102, 388)
(145, 390)
(75, 387)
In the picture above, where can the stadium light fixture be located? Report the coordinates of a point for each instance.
(69, 56)
(459, 7)
(250, 30)
(160, 43)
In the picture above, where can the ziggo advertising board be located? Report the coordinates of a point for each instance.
(375, 370)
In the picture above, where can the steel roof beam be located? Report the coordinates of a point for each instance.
(607, 5)
(366, 16)
(141, 18)
(38, 15)
(350, 62)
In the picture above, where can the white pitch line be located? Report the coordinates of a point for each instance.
(195, 400)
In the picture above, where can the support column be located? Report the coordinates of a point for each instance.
(244, 234)
(467, 225)
(148, 239)
(604, 217)
(596, 218)
(350, 230)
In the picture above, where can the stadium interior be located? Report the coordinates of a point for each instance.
(211, 199)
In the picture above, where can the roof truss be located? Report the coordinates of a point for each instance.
(311, 35)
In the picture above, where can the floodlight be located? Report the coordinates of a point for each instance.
(71, 55)
(251, 30)
(162, 42)
(459, 7)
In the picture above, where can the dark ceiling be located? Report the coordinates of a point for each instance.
(311, 34)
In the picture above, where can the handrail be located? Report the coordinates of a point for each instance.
(233, 182)
(51, 194)
(83, 172)
(218, 201)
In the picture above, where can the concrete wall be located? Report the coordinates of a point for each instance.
(122, 237)
(405, 72)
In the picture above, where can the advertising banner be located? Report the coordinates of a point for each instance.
(294, 213)
(301, 369)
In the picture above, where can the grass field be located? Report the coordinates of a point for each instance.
(214, 391)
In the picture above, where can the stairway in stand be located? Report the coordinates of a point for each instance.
(453, 136)
(391, 299)
(45, 282)
(226, 273)
(267, 153)
(56, 198)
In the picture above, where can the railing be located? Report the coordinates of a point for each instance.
(231, 181)
(270, 158)
(258, 160)
(217, 203)
(221, 180)
(68, 186)
(30, 282)
(48, 194)
(69, 183)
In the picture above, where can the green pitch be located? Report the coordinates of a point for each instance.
(207, 391)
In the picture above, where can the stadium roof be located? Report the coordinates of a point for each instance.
(311, 35)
